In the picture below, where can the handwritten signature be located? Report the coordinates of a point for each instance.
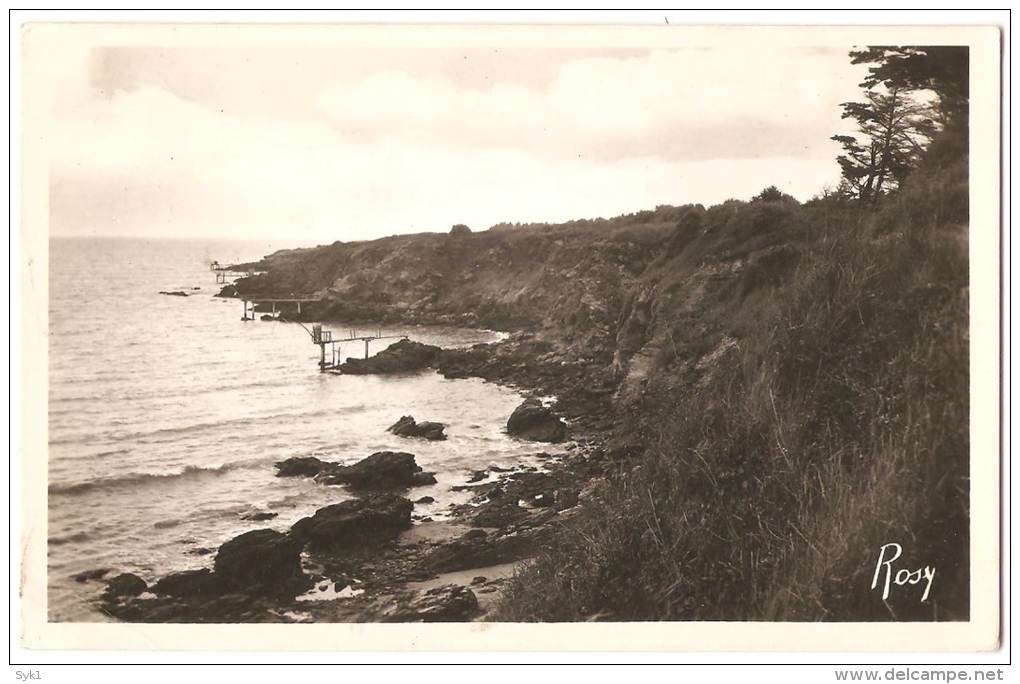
(886, 556)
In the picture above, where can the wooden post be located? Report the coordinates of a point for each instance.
(322, 356)
(299, 307)
(366, 348)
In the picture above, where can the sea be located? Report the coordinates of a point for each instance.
(166, 414)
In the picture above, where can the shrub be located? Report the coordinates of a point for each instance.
(771, 194)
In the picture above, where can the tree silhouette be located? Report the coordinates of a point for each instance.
(771, 194)
(893, 131)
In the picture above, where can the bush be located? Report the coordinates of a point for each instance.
(771, 194)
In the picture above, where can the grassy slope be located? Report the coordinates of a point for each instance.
(806, 404)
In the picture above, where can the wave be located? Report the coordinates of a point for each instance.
(80, 401)
(69, 539)
(89, 458)
(235, 426)
(161, 432)
(143, 478)
(109, 453)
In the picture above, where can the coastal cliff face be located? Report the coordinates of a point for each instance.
(786, 386)
(570, 285)
(631, 291)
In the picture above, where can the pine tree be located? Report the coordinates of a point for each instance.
(943, 70)
(893, 130)
(912, 92)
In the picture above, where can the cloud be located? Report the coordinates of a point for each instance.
(399, 153)
(677, 105)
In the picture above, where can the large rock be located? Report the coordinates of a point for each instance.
(533, 421)
(465, 363)
(259, 516)
(355, 524)
(95, 574)
(301, 466)
(259, 557)
(124, 585)
(190, 583)
(449, 603)
(407, 427)
(381, 470)
(403, 356)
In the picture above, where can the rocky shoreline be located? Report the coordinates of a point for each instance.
(371, 558)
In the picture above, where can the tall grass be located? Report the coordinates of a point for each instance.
(837, 423)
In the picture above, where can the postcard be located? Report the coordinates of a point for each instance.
(439, 337)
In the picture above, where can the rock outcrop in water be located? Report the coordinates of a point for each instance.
(94, 574)
(190, 584)
(302, 466)
(361, 554)
(355, 524)
(259, 557)
(381, 470)
(124, 585)
(404, 356)
(251, 574)
(408, 427)
(259, 516)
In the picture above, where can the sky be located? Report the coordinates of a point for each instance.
(323, 142)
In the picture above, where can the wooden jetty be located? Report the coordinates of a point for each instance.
(278, 302)
(274, 300)
(325, 337)
(228, 274)
(320, 337)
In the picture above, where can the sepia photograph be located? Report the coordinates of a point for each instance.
(504, 327)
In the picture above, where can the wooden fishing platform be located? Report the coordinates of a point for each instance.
(251, 301)
(320, 337)
(278, 302)
(325, 337)
(228, 274)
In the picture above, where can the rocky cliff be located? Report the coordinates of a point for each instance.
(628, 293)
(570, 285)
